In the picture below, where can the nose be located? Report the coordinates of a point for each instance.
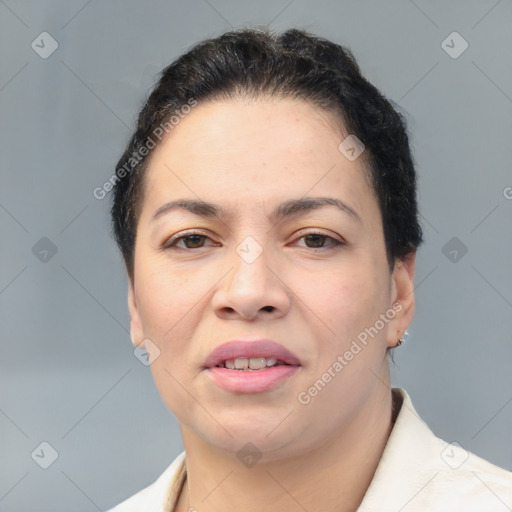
(252, 289)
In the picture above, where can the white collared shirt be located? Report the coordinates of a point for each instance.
(417, 472)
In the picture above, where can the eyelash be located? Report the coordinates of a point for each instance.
(173, 241)
(333, 242)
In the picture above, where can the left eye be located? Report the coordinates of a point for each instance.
(189, 241)
(319, 241)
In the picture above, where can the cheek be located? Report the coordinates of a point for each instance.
(164, 299)
(348, 302)
(171, 309)
(172, 304)
(346, 298)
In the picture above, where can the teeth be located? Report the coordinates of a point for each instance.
(253, 363)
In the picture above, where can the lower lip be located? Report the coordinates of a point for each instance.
(256, 381)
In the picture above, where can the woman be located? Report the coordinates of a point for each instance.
(266, 211)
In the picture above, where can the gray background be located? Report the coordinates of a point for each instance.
(68, 373)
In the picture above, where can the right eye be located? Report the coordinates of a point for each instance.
(192, 240)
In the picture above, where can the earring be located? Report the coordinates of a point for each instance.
(401, 341)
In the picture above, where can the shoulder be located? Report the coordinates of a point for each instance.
(420, 471)
(156, 496)
(460, 476)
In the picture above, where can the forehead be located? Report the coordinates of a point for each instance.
(267, 126)
(255, 152)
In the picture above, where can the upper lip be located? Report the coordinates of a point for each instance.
(247, 349)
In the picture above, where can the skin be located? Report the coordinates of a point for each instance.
(249, 156)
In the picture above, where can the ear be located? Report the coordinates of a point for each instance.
(136, 330)
(402, 295)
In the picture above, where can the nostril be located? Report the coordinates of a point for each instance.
(268, 308)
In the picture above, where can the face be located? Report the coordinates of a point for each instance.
(254, 226)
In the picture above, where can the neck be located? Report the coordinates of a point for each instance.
(333, 477)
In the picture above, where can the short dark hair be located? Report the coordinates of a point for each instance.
(258, 63)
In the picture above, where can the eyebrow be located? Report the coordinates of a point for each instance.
(197, 207)
(290, 208)
(308, 204)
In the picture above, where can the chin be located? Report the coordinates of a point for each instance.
(268, 442)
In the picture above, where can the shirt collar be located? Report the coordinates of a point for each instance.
(404, 468)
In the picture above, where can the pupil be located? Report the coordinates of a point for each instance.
(316, 239)
(194, 241)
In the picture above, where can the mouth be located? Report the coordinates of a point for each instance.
(251, 366)
(250, 355)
